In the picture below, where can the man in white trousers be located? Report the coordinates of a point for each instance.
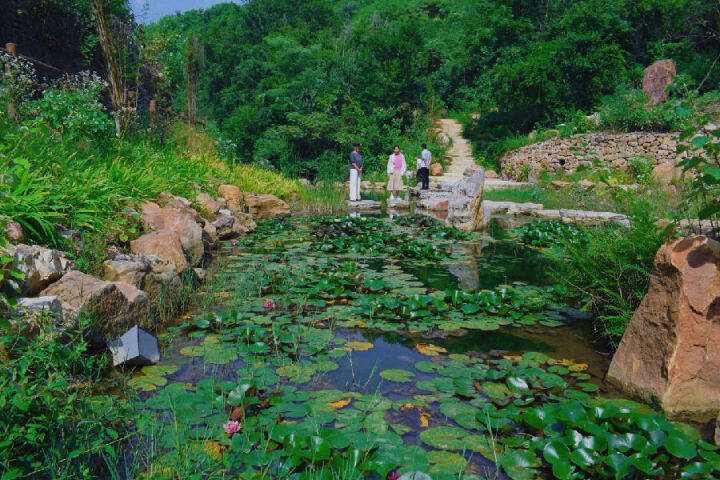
(356, 166)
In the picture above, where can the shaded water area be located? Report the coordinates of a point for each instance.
(422, 348)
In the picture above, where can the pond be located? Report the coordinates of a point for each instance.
(374, 347)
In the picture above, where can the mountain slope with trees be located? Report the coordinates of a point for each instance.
(292, 85)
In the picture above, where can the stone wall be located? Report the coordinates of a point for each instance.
(564, 155)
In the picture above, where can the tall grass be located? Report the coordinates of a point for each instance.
(611, 271)
(86, 183)
(324, 198)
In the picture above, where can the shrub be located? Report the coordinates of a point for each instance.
(700, 198)
(72, 106)
(625, 111)
(52, 424)
(50, 180)
(641, 168)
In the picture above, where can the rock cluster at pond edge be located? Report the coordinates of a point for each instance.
(177, 238)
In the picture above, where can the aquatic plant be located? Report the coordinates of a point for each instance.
(549, 233)
(444, 415)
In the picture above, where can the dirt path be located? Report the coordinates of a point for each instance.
(460, 151)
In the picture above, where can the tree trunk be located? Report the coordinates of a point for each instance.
(114, 76)
(194, 60)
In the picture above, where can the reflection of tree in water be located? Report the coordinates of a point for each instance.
(478, 341)
(506, 262)
(493, 264)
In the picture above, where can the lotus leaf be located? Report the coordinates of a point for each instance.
(397, 375)
(446, 463)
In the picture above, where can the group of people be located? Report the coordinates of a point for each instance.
(396, 170)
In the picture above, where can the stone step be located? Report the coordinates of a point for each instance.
(498, 184)
(569, 216)
(364, 205)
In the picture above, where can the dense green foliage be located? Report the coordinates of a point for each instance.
(55, 420)
(296, 85)
(702, 163)
(64, 169)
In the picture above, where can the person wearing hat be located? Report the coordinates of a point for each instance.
(356, 166)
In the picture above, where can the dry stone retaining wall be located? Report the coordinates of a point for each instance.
(564, 155)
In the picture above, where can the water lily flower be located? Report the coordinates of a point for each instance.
(234, 241)
(269, 305)
(394, 475)
(232, 427)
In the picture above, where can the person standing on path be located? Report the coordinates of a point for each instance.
(396, 168)
(356, 166)
(424, 167)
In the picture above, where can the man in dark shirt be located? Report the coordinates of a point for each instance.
(356, 166)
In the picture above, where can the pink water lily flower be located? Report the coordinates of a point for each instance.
(269, 305)
(232, 427)
(234, 241)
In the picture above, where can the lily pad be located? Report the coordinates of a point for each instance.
(397, 375)
(446, 463)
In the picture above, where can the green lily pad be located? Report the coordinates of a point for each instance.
(446, 463)
(520, 464)
(147, 383)
(397, 375)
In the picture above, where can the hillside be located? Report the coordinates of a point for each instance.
(292, 86)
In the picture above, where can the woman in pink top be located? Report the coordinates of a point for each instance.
(396, 168)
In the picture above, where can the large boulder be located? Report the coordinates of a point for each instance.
(130, 269)
(435, 202)
(167, 199)
(243, 223)
(114, 309)
(41, 267)
(469, 171)
(436, 169)
(32, 313)
(233, 197)
(164, 244)
(40, 305)
(465, 203)
(205, 202)
(656, 79)
(136, 309)
(224, 225)
(228, 225)
(670, 352)
(265, 206)
(210, 236)
(665, 173)
(163, 286)
(180, 221)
